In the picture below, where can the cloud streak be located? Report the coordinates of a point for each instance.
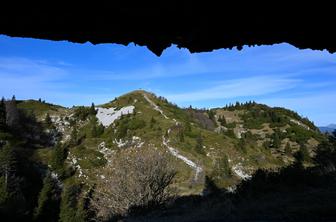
(253, 86)
(78, 74)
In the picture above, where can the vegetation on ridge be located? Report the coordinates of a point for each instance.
(58, 164)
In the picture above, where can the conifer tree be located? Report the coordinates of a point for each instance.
(8, 182)
(211, 114)
(57, 158)
(2, 114)
(4, 194)
(93, 109)
(47, 120)
(47, 208)
(199, 144)
(100, 129)
(12, 114)
(276, 142)
(222, 120)
(71, 209)
(304, 152)
(7, 163)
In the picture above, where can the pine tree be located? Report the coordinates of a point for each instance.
(304, 152)
(9, 185)
(57, 158)
(96, 129)
(199, 144)
(4, 194)
(100, 129)
(7, 163)
(2, 115)
(47, 120)
(222, 120)
(211, 114)
(93, 109)
(71, 208)
(47, 209)
(276, 142)
(12, 115)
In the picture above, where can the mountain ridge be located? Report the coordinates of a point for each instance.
(328, 129)
(227, 146)
(172, 121)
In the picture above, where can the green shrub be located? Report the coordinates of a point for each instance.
(82, 112)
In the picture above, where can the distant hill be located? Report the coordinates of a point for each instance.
(328, 129)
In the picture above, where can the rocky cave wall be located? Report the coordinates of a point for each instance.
(197, 26)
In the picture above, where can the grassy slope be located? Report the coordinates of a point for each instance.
(40, 109)
(216, 145)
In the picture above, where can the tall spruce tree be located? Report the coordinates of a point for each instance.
(47, 208)
(71, 209)
(2, 114)
(93, 109)
(57, 158)
(304, 152)
(4, 194)
(8, 182)
(7, 163)
(12, 114)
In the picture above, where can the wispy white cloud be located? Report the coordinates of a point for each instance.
(280, 75)
(252, 86)
(20, 67)
(190, 66)
(29, 78)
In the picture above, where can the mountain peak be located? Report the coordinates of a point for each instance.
(138, 91)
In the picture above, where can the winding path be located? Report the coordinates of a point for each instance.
(165, 141)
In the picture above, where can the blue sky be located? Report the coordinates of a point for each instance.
(78, 74)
